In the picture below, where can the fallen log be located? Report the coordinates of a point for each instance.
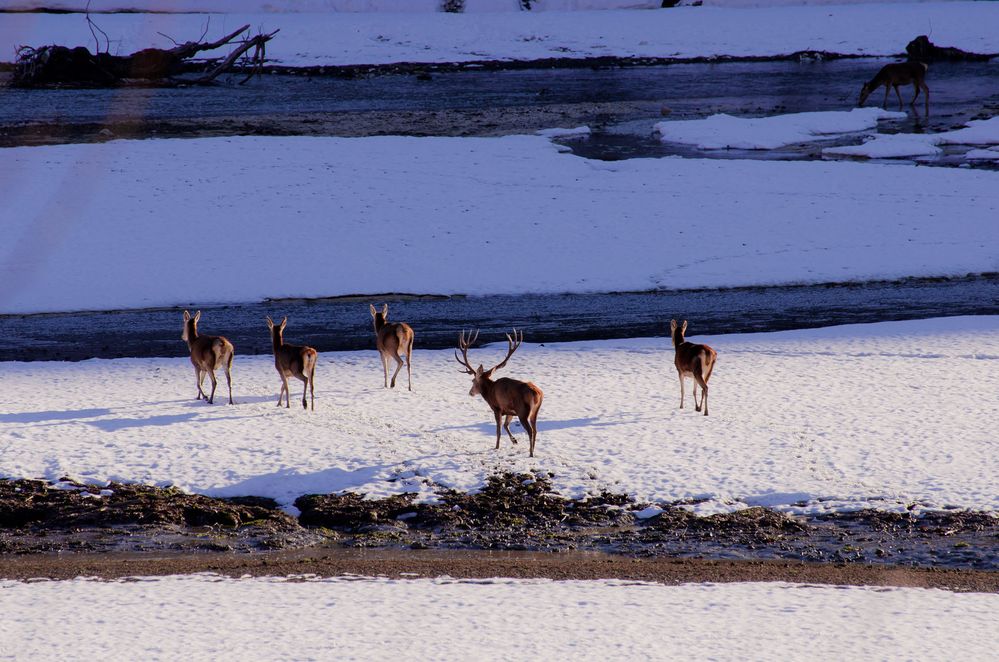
(60, 65)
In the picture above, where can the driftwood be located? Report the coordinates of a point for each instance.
(55, 65)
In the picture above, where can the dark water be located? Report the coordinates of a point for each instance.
(960, 91)
(345, 324)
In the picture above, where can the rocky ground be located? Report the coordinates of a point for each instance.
(54, 529)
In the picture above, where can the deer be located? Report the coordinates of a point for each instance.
(895, 74)
(692, 360)
(297, 361)
(208, 353)
(390, 339)
(506, 397)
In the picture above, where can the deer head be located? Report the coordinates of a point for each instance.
(480, 374)
(277, 330)
(190, 326)
(379, 317)
(677, 331)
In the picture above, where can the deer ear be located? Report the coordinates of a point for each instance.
(197, 316)
(683, 329)
(373, 311)
(270, 322)
(385, 310)
(284, 323)
(479, 371)
(672, 325)
(187, 316)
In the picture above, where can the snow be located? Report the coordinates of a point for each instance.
(889, 415)
(299, 6)
(578, 132)
(906, 145)
(727, 132)
(983, 154)
(206, 617)
(335, 38)
(133, 224)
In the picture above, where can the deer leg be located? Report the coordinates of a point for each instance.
(926, 97)
(899, 95)
(398, 367)
(312, 388)
(305, 391)
(284, 392)
(915, 88)
(496, 413)
(526, 422)
(699, 378)
(197, 381)
(215, 383)
(534, 425)
(385, 368)
(697, 404)
(228, 378)
(681, 388)
(409, 366)
(506, 426)
(887, 90)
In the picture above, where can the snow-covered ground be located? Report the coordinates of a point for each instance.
(210, 617)
(728, 132)
(909, 145)
(900, 413)
(336, 38)
(129, 224)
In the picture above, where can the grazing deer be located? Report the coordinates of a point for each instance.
(208, 353)
(293, 361)
(893, 75)
(694, 360)
(390, 339)
(507, 397)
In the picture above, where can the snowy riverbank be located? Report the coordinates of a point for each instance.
(335, 38)
(892, 416)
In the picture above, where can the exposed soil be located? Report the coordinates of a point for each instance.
(512, 513)
(482, 565)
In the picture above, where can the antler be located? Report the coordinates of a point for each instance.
(513, 344)
(463, 345)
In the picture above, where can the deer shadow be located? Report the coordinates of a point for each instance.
(543, 425)
(53, 417)
(290, 483)
(116, 424)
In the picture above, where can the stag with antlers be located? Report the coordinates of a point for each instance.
(506, 397)
(208, 353)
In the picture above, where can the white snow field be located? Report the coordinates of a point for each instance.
(890, 416)
(351, 618)
(907, 145)
(344, 38)
(132, 224)
(727, 132)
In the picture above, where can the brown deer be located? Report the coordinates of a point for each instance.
(893, 75)
(390, 339)
(694, 360)
(208, 353)
(506, 397)
(293, 361)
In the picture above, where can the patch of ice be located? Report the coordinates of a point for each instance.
(578, 132)
(727, 132)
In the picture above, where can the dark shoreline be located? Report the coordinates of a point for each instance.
(511, 513)
(483, 565)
